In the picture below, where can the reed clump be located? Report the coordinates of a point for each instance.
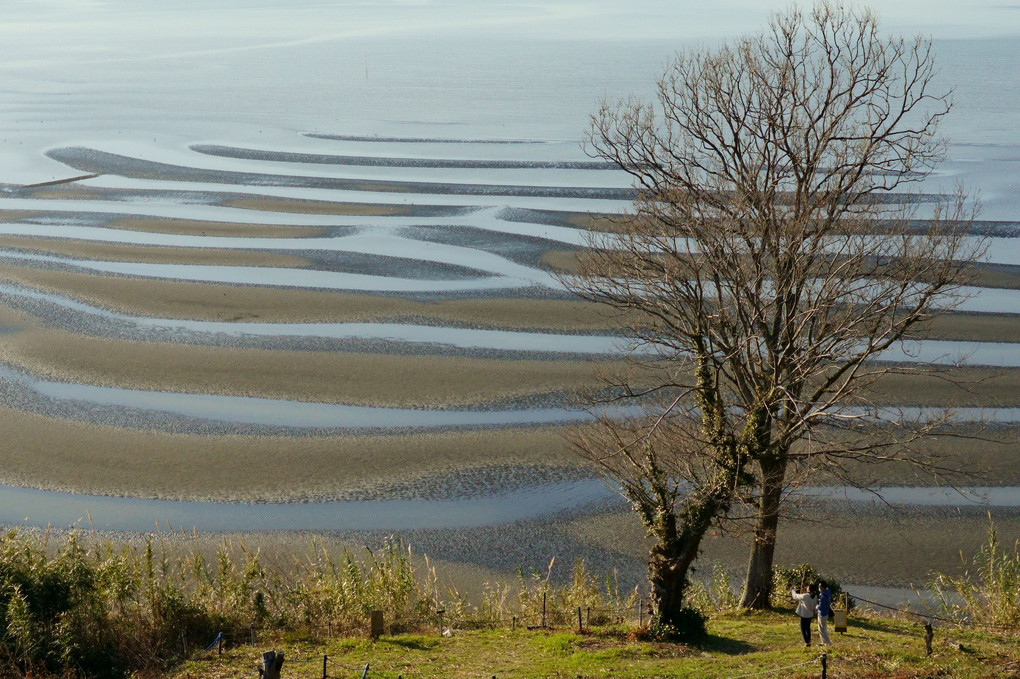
(77, 605)
(987, 594)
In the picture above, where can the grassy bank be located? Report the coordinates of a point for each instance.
(162, 606)
(765, 644)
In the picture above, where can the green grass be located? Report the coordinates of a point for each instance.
(738, 645)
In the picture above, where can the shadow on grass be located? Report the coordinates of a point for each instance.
(725, 645)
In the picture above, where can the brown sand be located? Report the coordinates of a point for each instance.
(107, 252)
(894, 547)
(400, 380)
(321, 207)
(16, 215)
(203, 301)
(68, 455)
(364, 379)
(898, 548)
(190, 227)
(567, 261)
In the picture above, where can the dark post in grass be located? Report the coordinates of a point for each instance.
(272, 662)
(376, 624)
(929, 634)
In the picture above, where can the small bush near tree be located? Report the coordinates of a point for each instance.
(786, 579)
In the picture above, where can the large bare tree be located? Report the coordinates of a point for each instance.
(775, 250)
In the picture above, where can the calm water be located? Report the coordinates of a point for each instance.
(42, 508)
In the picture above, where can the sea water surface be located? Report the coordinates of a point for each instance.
(462, 81)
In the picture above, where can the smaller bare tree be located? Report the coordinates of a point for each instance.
(681, 470)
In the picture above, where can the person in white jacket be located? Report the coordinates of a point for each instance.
(807, 602)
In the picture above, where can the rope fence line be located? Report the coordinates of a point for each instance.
(932, 617)
(214, 644)
(926, 616)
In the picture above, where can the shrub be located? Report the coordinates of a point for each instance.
(688, 628)
(989, 591)
(786, 579)
(715, 594)
(85, 607)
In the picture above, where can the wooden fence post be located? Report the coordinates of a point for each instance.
(377, 624)
(439, 613)
(272, 662)
(825, 665)
(219, 644)
(929, 634)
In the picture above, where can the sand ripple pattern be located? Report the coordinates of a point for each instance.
(429, 221)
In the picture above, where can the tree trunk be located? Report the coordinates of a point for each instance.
(757, 592)
(668, 577)
(678, 535)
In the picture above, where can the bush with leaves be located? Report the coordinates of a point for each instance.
(786, 579)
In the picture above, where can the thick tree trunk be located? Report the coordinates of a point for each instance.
(668, 571)
(678, 535)
(758, 583)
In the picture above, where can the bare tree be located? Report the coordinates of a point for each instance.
(774, 252)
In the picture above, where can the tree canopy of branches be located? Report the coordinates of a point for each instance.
(776, 248)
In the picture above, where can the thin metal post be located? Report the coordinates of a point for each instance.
(543, 609)
(324, 659)
(580, 625)
(825, 665)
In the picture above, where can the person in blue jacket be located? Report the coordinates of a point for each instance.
(824, 612)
